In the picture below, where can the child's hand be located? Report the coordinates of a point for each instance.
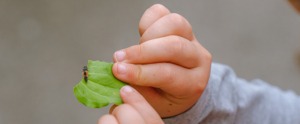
(169, 67)
(135, 110)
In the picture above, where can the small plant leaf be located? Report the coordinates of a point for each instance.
(101, 88)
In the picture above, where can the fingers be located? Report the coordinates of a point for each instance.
(126, 114)
(173, 49)
(135, 110)
(107, 119)
(131, 97)
(157, 21)
(171, 24)
(165, 76)
(151, 15)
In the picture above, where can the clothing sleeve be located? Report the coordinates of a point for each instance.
(228, 99)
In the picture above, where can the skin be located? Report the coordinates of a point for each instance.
(169, 70)
(135, 110)
(170, 77)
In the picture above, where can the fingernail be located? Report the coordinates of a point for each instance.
(127, 89)
(121, 68)
(120, 55)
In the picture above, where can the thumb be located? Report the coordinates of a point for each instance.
(136, 100)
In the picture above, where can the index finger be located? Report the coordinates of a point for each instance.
(173, 49)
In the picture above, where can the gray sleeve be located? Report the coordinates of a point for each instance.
(228, 99)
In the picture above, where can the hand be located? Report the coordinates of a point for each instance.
(135, 110)
(169, 67)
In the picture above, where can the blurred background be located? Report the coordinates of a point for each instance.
(45, 43)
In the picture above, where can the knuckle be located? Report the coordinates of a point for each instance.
(176, 18)
(203, 54)
(168, 74)
(176, 46)
(134, 52)
(139, 74)
(198, 90)
(199, 78)
(199, 85)
(136, 75)
(139, 50)
(179, 47)
(207, 56)
(183, 27)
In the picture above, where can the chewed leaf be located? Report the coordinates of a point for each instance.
(101, 87)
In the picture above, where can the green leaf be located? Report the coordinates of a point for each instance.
(101, 88)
